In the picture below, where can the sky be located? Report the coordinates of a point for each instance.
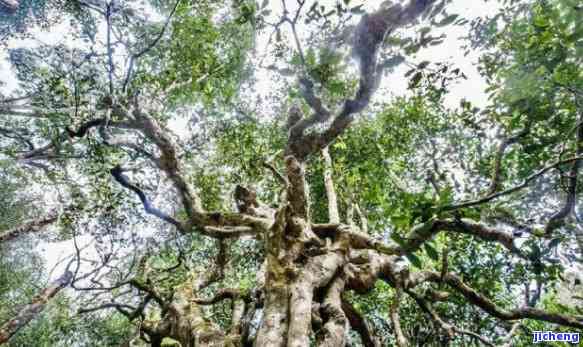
(450, 50)
(394, 84)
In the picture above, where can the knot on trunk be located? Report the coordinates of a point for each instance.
(246, 199)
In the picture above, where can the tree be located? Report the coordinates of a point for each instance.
(344, 219)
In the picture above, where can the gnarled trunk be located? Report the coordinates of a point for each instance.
(293, 281)
(300, 265)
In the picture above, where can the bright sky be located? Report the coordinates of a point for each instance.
(450, 50)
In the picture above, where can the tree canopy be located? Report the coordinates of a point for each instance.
(243, 173)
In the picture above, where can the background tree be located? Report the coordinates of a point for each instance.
(201, 210)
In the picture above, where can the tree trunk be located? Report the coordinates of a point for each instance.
(298, 266)
(30, 311)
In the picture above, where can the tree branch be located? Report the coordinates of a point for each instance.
(169, 163)
(335, 326)
(360, 325)
(32, 310)
(149, 47)
(558, 218)
(333, 214)
(220, 295)
(69, 134)
(497, 171)
(395, 320)
(228, 232)
(29, 226)
(15, 135)
(450, 329)
(368, 37)
(276, 173)
(118, 175)
(514, 189)
(479, 300)
(111, 67)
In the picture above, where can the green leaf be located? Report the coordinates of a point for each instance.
(392, 62)
(415, 261)
(447, 20)
(536, 252)
(397, 238)
(415, 79)
(425, 30)
(423, 64)
(408, 73)
(555, 242)
(357, 10)
(400, 221)
(431, 252)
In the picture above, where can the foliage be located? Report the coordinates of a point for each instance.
(404, 164)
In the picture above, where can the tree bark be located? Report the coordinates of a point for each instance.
(292, 277)
(396, 320)
(336, 328)
(333, 214)
(360, 325)
(29, 226)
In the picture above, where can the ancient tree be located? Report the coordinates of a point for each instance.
(322, 241)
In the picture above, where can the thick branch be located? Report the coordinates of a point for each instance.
(29, 226)
(169, 163)
(497, 171)
(69, 134)
(118, 175)
(222, 294)
(558, 218)
(297, 190)
(150, 291)
(318, 272)
(228, 232)
(237, 315)
(30, 311)
(362, 218)
(333, 214)
(395, 319)
(419, 235)
(479, 230)
(368, 37)
(477, 299)
(359, 324)
(334, 330)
